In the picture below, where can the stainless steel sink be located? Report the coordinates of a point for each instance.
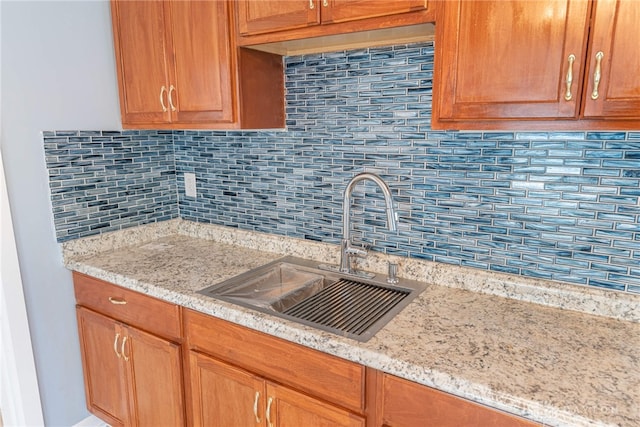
(296, 289)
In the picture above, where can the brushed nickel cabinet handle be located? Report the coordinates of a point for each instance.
(270, 401)
(122, 349)
(325, 3)
(597, 75)
(255, 407)
(312, 5)
(568, 95)
(117, 301)
(115, 345)
(171, 90)
(162, 91)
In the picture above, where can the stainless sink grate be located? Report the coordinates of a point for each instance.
(348, 306)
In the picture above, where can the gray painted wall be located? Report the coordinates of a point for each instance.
(58, 72)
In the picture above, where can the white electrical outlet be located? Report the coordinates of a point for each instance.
(190, 184)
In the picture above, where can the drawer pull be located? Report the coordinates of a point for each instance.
(115, 345)
(597, 74)
(122, 349)
(312, 4)
(325, 3)
(117, 301)
(269, 412)
(162, 91)
(171, 90)
(568, 95)
(255, 407)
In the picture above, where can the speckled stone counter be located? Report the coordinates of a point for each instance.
(546, 362)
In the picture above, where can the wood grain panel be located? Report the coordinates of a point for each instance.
(155, 380)
(147, 313)
(615, 29)
(259, 17)
(142, 65)
(352, 10)
(261, 94)
(403, 403)
(223, 395)
(293, 409)
(353, 22)
(333, 379)
(509, 59)
(104, 375)
(203, 62)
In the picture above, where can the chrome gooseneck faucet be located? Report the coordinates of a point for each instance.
(347, 249)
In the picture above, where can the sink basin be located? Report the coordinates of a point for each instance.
(296, 289)
(275, 286)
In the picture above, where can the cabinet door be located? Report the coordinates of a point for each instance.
(287, 408)
(615, 36)
(223, 395)
(351, 10)
(139, 29)
(402, 403)
(105, 379)
(201, 88)
(509, 59)
(155, 379)
(260, 16)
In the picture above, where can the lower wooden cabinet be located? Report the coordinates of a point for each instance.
(132, 377)
(104, 374)
(291, 409)
(241, 377)
(402, 403)
(136, 362)
(223, 395)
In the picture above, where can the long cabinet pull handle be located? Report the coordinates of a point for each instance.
(171, 90)
(122, 349)
(568, 95)
(597, 75)
(269, 402)
(255, 407)
(115, 345)
(117, 301)
(312, 5)
(162, 92)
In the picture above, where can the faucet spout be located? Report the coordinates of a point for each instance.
(346, 248)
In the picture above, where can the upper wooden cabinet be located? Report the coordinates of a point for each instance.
(291, 27)
(179, 67)
(615, 35)
(532, 64)
(257, 17)
(351, 10)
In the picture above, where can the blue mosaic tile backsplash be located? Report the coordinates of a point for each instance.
(555, 205)
(104, 181)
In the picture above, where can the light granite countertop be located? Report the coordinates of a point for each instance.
(549, 363)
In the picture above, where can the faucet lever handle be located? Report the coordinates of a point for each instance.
(352, 250)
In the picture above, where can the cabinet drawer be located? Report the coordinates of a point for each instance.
(133, 308)
(321, 375)
(404, 403)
